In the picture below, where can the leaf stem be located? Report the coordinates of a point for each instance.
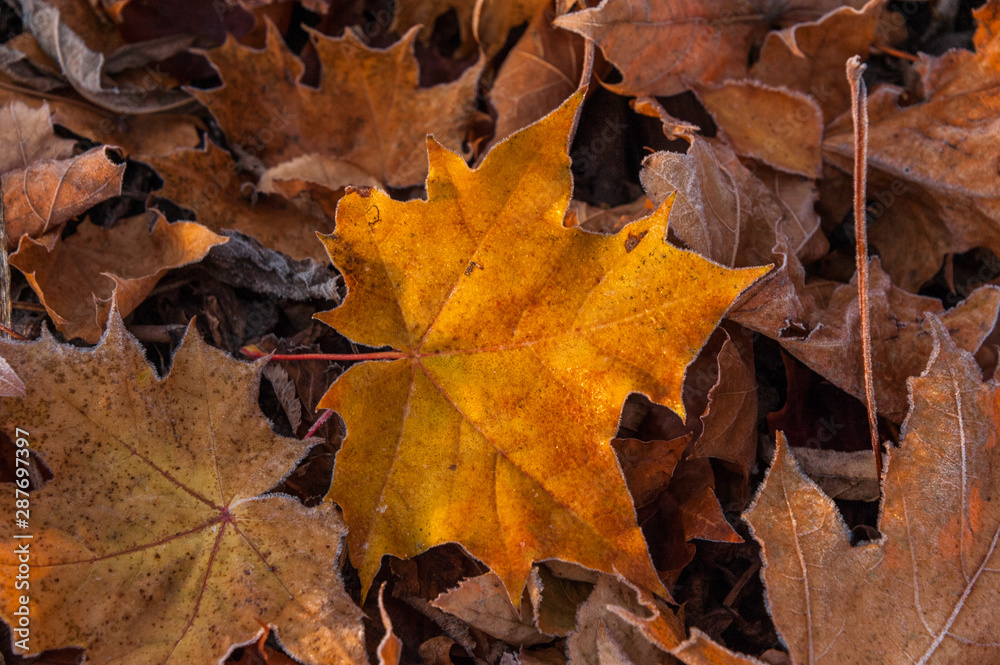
(859, 111)
(254, 353)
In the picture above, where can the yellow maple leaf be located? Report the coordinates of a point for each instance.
(517, 340)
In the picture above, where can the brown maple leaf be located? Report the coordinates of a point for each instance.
(155, 542)
(518, 339)
(368, 111)
(926, 591)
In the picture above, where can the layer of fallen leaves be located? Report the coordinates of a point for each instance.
(591, 350)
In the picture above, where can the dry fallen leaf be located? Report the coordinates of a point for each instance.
(483, 602)
(942, 154)
(209, 183)
(77, 279)
(155, 542)
(518, 341)
(900, 341)
(604, 633)
(26, 136)
(729, 425)
(809, 57)
(926, 591)
(662, 46)
(368, 111)
(41, 197)
(87, 69)
(542, 70)
(781, 127)
(10, 383)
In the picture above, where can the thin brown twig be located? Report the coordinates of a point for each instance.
(4, 274)
(859, 111)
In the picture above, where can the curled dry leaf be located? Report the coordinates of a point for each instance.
(700, 649)
(781, 127)
(942, 154)
(209, 183)
(41, 197)
(809, 57)
(498, 312)
(86, 69)
(77, 279)
(729, 425)
(135, 135)
(841, 475)
(368, 111)
(926, 591)
(390, 647)
(604, 634)
(155, 542)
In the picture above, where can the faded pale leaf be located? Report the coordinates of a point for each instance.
(926, 592)
(555, 598)
(77, 279)
(603, 637)
(40, 198)
(496, 307)
(10, 383)
(155, 542)
(368, 110)
(781, 127)
(841, 475)
(482, 602)
(26, 137)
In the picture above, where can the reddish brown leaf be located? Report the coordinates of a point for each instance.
(39, 198)
(661, 46)
(810, 57)
(542, 70)
(900, 340)
(78, 278)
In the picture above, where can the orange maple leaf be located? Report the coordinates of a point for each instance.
(517, 339)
